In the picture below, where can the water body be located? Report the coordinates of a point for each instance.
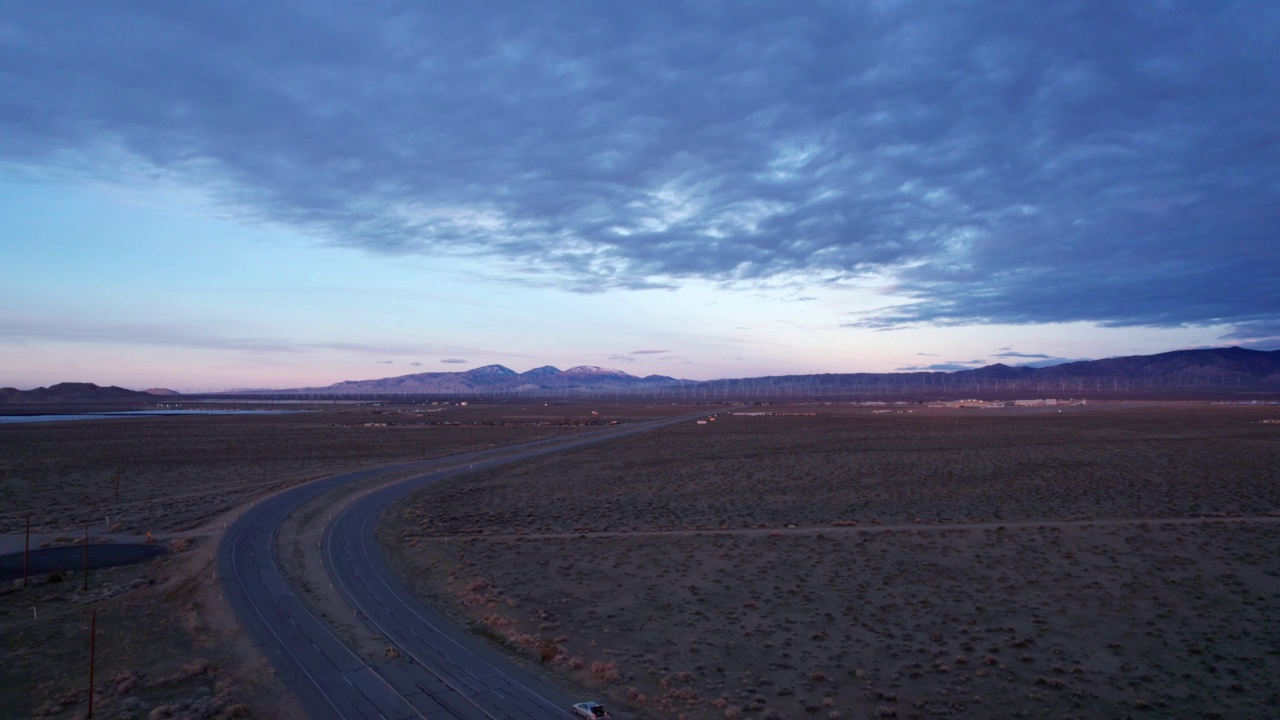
(133, 413)
(70, 558)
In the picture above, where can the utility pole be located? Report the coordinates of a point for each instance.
(93, 637)
(26, 554)
(85, 585)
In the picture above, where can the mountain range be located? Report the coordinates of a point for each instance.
(1215, 369)
(77, 392)
(1187, 369)
(492, 377)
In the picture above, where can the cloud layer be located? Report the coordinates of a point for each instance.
(1109, 162)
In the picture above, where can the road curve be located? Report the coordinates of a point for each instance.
(443, 673)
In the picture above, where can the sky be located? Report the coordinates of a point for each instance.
(206, 196)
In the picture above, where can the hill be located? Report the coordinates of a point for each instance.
(69, 393)
(498, 378)
(1176, 373)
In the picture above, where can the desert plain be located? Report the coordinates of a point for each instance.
(166, 644)
(825, 561)
(1100, 562)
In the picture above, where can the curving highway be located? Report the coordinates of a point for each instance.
(443, 672)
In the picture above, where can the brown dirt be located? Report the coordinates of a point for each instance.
(949, 563)
(167, 645)
(177, 472)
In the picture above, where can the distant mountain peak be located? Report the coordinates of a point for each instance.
(596, 371)
(543, 371)
(492, 370)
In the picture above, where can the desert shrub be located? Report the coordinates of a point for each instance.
(685, 693)
(125, 683)
(547, 651)
(487, 632)
(607, 672)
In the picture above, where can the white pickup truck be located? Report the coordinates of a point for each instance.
(590, 711)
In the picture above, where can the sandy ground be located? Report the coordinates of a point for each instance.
(166, 644)
(1101, 562)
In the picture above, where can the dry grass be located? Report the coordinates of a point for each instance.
(159, 622)
(177, 472)
(790, 566)
(156, 654)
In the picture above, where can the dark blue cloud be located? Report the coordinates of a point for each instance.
(1035, 360)
(1012, 354)
(1050, 362)
(1113, 162)
(87, 330)
(1257, 335)
(943, 366)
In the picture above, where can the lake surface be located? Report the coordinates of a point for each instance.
(6, 419)
(71, 558)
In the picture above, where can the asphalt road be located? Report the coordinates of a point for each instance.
(442, 672)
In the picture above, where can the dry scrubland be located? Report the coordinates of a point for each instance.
(166, 646)
(962, 563)
(176, 472)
